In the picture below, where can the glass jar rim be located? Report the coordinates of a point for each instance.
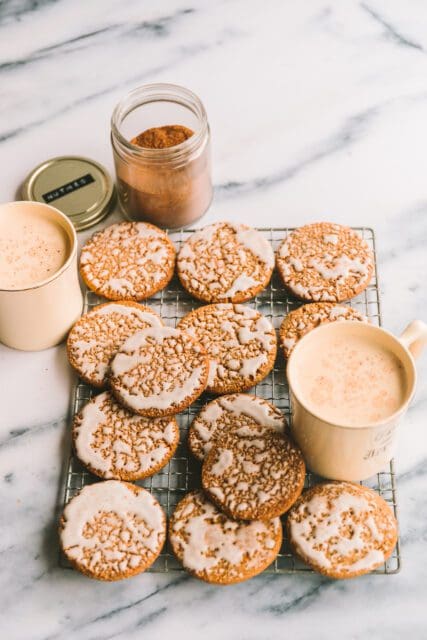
(157, 92)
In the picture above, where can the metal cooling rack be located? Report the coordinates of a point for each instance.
(182, 473)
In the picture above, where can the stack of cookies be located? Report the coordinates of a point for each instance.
(251, 472)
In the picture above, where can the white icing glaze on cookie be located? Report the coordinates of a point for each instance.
(212, 411)
(300, 290)
(82, 537)
(241, 283)
(150, 318)
(256, 243)
(225, 261)
(148, 231)
(207, 233)
(253, 407)
(296, 263)
(139, 360)
(332, 238)
(343, 267)
(113, 441)
(340, 530)
(325, 262)
(121, 286)
(224, 461)
(288, 343)
(92, 342)
(251, 365)
(314, 531)
(127, 260)
(260, 475)
(240, 343)
(205, 539)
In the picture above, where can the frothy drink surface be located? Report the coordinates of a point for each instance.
(351, 380)
(32, 248)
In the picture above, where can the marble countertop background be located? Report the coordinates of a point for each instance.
(318, 110)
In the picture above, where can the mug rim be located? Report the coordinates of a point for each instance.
(365, 326)
(72, 236)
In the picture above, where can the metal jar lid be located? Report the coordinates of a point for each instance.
(79, 187)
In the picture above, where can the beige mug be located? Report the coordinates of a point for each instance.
(39, 315)
(340, 451)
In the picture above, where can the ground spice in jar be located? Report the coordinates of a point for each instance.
(163, 172)
(162, 137)
(167, 193)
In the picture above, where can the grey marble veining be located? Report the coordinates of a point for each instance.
(318, 111)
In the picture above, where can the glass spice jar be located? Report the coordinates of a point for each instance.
(170, 186)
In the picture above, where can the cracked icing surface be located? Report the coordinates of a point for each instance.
(112, 530)
(241, 344)
(253, 477)
(236, 412)
(115, 443)
(307, 317)
(217, 549)
(97, 335)
(342, 529)
(128, 260)
(225, 262)
(159, 371)
(325, 262)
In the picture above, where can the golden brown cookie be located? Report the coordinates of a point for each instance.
(307, 317)
(240, 342)
(254, 477)
(325, 262)
(159, 371)
(238, 413)
(128, 261)
(342, 529)
(217, 549)
(225, 262)
(114, 443)
(96, 336)
(112, 530)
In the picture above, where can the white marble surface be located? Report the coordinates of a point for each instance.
(318, 110)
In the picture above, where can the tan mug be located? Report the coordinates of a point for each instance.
(340, 451)
(40, 314)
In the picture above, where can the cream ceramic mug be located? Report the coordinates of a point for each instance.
(40, 295)
(332, 448)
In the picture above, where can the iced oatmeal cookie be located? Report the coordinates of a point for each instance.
(325, 262)
(241, 344)
(342, 529)
(96, 336)
(253, 476)
(159, 371)
(114, 443)
(219, 550)
(225, 262)
(112, 530)
(236, 412)
(128, 261)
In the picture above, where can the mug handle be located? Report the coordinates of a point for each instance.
(414, 337)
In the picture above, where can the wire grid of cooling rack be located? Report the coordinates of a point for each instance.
(182, 473)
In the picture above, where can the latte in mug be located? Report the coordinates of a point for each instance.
(40, 295)
(350, 383)
(351, 380)
(32, 248)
